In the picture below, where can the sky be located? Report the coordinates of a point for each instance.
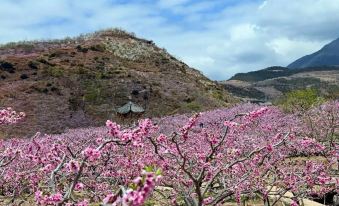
(217, 37)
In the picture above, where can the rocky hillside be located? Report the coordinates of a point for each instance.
(327, 56)
(81, 81)
(271, 83)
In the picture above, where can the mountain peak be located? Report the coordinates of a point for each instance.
(334, 45)
(327, 56)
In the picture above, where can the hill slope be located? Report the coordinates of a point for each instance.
(327, 56)
(82, 81)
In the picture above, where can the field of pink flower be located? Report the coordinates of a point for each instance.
(202, 159)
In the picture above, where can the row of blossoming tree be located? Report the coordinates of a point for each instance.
(206, 159)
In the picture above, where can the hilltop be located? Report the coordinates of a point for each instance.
(80, 82)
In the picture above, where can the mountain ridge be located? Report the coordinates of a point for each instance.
(326, 56)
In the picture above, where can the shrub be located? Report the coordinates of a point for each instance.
(7, 67)
(55, 71)
(33, 65)
(82, 49)
(44, 61)
(98, 48)
(300, 100)
(23, 76)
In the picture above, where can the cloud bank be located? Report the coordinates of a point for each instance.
(218, 37)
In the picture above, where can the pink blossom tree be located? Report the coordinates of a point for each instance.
(322, 123)
(204, 160)
(236, 152)
(8, 116)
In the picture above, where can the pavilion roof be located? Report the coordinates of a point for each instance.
(130, 107)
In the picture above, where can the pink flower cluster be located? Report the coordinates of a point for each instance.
(53, 199)
(114, 128)
(110, 199)
(81, 203)
(79, 186)
(146, 126)
(191, 122)
(73, 166)
(136, 135)
(161, 138)
(92, 154)
(138, 196)
(230, 124)
(294, 203)
(9, 116)
(258, 113)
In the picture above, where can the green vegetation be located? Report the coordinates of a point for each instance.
(193, 106)
(96, 91)
(268, 73)
(245, 92)
(105, 75)
(218, 94)
(287, 85)
(55, 71)
(300, 100)
(98, 47)
(332, 92)
(93, 93)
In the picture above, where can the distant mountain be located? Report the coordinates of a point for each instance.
(273, 82)
(327, 56)
(319, 70)
(80, 82)
(268, 73)
(275, 72)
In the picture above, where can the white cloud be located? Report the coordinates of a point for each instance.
(262, 5)
(285, 47)
(200, 61)
(243, 32)
(218, 37)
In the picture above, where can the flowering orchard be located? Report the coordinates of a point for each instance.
(206, 159)
(322, 123)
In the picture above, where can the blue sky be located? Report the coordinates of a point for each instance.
(218, 37)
